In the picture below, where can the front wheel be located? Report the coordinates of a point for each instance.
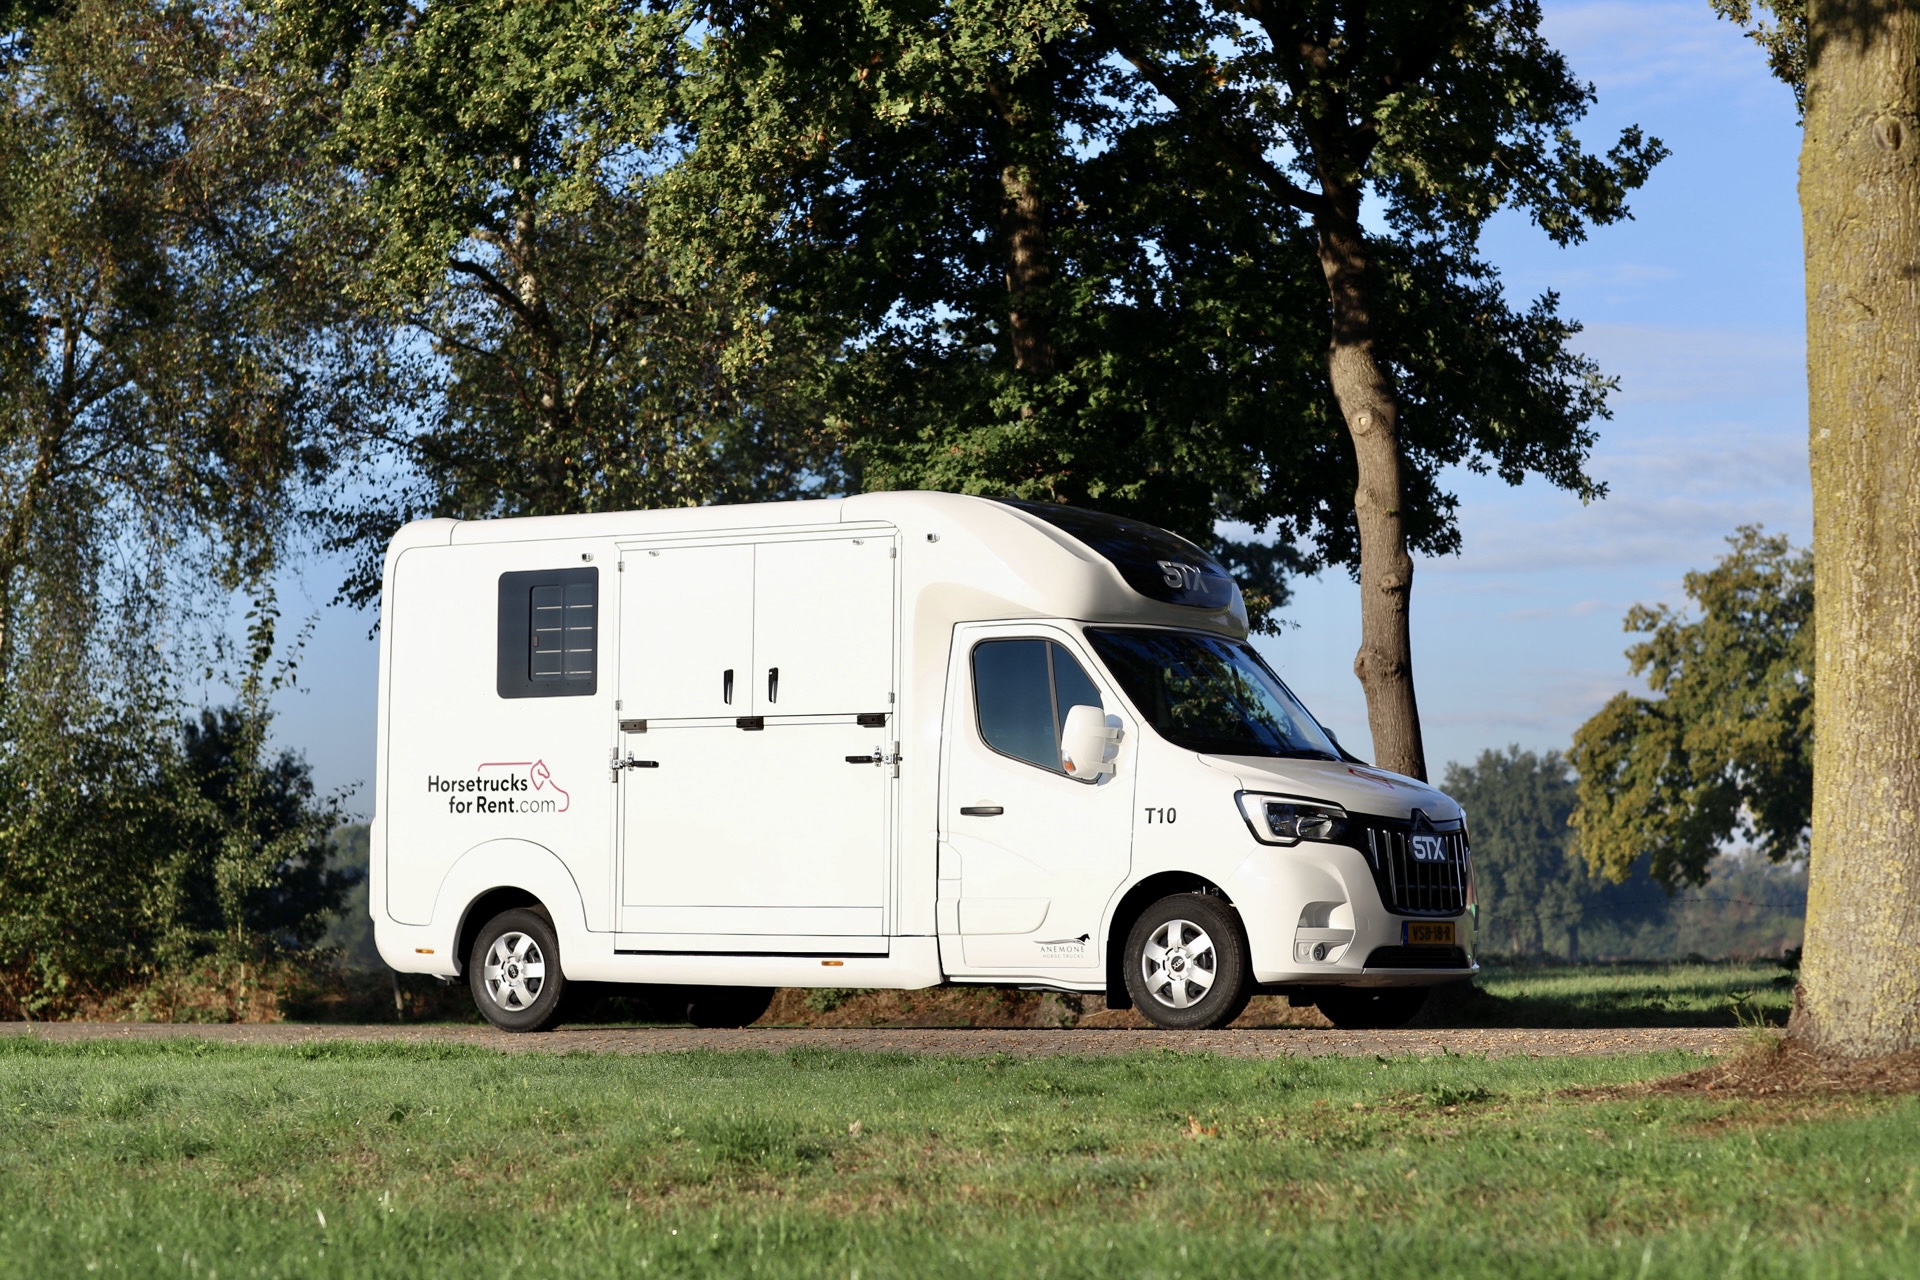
(1371, 1008)
(1186, 963)
(514, 971)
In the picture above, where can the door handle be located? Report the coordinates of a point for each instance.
(617, 764)
(773, 684)
(892, 759)
(981, 810)
(726, 686)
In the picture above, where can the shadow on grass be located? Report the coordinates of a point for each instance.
(1685, 994)
(1506, 994)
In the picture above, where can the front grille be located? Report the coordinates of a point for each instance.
(1413, 886)
(1417, 958)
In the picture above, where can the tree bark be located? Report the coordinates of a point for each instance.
(1860, 206)
(1023, 231)
(1371, 409)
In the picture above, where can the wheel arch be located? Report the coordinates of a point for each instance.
(486, 907)
(501, 875)
(1134, 901)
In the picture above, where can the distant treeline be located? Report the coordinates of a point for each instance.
(1539, 897)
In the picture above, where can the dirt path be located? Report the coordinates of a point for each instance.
(1295, 1041)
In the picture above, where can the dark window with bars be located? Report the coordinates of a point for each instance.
(549, 634)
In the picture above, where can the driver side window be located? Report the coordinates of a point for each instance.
(1022, 690)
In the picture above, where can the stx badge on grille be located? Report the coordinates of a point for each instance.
(1429, 849)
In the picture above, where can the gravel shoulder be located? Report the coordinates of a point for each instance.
(1019, 1043)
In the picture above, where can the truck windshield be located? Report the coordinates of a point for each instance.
(1209, 694)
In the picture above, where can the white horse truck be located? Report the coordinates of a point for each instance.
(893, 740)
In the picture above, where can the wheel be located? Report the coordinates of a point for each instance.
(514, 971)
(1371, 1008)
(1186, 963)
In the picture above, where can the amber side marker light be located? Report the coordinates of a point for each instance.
(832, 964)
(423, 951)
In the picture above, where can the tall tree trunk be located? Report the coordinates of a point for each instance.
(1023, 231)
(1367, 401)
(1860, 207)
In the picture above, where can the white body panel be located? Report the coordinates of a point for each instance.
(744, 846)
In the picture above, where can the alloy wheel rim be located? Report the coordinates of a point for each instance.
(1179, 964)
(515, 972)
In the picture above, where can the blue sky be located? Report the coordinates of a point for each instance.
(1697, 307)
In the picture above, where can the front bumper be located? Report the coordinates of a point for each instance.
(1314, 917)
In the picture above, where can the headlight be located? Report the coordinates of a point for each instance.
(1285, 820)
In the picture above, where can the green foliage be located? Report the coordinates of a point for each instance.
(350, 933)
(433, 1159)
(1784, 41)
(155, 381)
(1068, 269)
(1533, 890)
(541, 353)
(1725, 748)
(271, 878)
(1748, 908)
(131, 844)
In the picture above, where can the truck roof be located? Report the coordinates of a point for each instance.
(1145, 560)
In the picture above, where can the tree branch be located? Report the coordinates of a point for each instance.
(1244, 150)
(490, 284)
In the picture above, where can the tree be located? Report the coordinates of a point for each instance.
(1019, 294)
(1530, 883)
(159, 409)
(1725, 749)
(1443, 111)
(493, 166)
(1038, 194)
(250, 853)
(154, 383)
(1860, 208)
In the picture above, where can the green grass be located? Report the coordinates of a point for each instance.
(1680, 994)
(182, 1158)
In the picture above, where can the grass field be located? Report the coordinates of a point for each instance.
(349, 1160)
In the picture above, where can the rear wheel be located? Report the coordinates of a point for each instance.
(1186, 963)
(514, 971)
(1371, 1008)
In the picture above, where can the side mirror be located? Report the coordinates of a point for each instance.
(1089, 743)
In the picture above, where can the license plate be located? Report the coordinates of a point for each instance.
(1427, 933)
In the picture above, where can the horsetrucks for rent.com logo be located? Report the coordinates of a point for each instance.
(503, 786)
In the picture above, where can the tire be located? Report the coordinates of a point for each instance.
(1371, 1008)
(1186, 963)
(501, 972)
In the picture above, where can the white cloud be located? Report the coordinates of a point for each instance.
(1658, 50)
(1678, 365)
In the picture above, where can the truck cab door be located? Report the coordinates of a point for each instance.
(1038, 853)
